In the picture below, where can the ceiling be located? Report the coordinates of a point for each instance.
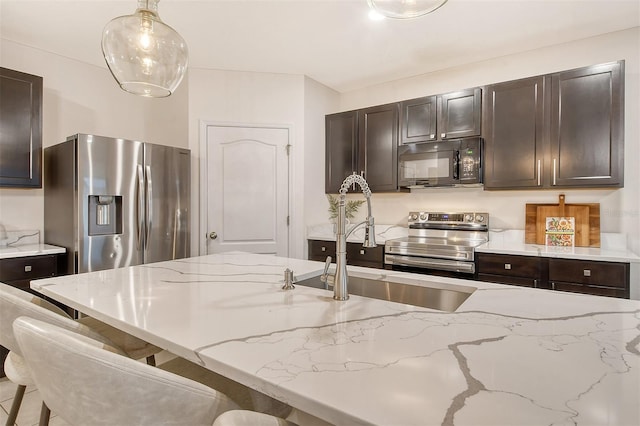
(333, 42)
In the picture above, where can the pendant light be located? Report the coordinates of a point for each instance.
(146, 56)
(404, 9)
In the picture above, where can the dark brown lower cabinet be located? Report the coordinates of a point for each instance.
(572, 275)
(582, 276)
(19, 271)
(356, 254)
(526, 271)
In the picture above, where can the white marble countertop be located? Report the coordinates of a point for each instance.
(613, 248)
(24, 250)
(325, 232)
(25, 243)
(507, 356)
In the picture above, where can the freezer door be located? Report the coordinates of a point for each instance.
(168, 195)
(109, 208)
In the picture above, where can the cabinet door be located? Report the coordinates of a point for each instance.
(378, 146)
(587, 126)
(459, 114)
(19, 271)
(513, 119)
(418, 120)
(590, 277)
(341, 133)
(20, 129)
(368, 257)
(319, 250)
(525, 271)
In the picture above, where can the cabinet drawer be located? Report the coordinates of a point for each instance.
(507, 265)
(505, 279)
(590, 289)
(319, 250)
(361, 256)
(606, 274)
(28, 268)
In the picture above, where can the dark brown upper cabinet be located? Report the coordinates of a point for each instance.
(418, 120)
(559, 130)
(20, 129)
(341, 134)
(587, 126)
(363, 141)
(378, 146)
(514, 126)
(459, 114)
(449, 116)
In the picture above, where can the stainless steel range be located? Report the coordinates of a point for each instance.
(439, 242)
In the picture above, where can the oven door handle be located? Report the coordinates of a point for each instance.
(468, 267)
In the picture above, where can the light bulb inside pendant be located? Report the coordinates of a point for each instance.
(145, 56)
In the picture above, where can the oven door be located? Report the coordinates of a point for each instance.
(430, 263)
(420, 168)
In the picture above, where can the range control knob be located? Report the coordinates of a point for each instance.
(469, 218)
(413, 216)
(423, 216)
(480, 218)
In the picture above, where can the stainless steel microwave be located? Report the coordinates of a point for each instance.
(456, 162)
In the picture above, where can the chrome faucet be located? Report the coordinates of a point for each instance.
(341, 278)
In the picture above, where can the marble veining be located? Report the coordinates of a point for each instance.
(24, 243)
(507, 356)
(307, 353)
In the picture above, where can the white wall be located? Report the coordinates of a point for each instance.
(82, 98)
(620, 209)
(249, 98)
(318, 101)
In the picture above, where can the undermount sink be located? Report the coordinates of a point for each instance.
(443, 299)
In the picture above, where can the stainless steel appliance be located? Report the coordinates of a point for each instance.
(448, 163)
(439, 243)
(116, 202)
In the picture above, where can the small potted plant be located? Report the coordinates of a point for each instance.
(350, 208)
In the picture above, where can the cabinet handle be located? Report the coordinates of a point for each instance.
(554, 171)
(323, 248)
(443, 135)
(432, 136)
(362, 252)
(27, 268)
(535, 283)
(586, 272)
(507, 266)
(553, 285)
(539, 178)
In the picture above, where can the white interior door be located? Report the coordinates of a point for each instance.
(247, 192)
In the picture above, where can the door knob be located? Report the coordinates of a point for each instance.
(213, 235)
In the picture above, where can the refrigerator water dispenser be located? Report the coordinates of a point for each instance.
(105, 214)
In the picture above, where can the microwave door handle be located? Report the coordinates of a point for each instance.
(456, 165)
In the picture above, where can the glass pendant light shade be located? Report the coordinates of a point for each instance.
(404, 9)
(146, 56)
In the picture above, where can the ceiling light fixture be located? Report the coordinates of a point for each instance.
(146, 56)
(405, 9)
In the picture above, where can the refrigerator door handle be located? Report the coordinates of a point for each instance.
(140, 208)
(149, 209)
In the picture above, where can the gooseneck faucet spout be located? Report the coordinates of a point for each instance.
(341, 278)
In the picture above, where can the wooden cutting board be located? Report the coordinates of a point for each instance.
(587, 221)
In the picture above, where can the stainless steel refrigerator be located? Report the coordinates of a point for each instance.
(116, 202)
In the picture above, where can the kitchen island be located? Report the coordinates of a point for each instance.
(506, 356)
